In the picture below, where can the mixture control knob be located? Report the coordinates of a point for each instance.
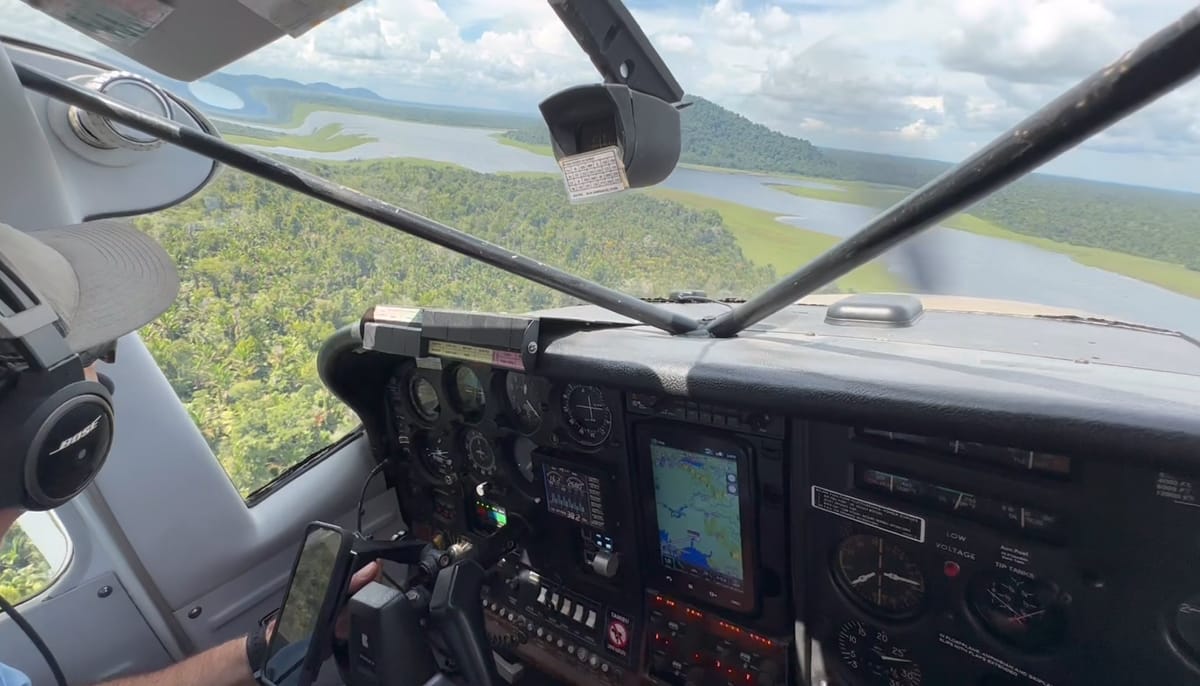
(605, 563)
(594, 662)
(582, 654)
(541, 632)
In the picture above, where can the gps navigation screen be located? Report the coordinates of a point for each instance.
(699, 516)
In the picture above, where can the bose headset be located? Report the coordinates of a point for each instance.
(56, 426)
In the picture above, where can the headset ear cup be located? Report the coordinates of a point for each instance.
(70, 435)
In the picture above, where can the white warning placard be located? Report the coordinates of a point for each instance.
(591, 174)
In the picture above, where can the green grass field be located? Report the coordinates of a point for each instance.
(1170, 276)
(528, 147)
(328, 138)
(785, 247)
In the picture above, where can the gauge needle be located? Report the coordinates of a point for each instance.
(1001, 601)
(896, 577)
(1027, 615)
(889, 658)
(862, 579)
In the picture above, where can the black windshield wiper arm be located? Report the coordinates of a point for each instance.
(361, 204)
(1155, 67)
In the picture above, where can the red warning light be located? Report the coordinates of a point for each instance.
(951, 568)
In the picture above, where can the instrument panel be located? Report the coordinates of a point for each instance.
(677, 542)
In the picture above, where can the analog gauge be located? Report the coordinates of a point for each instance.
(424, 398)
(469, 392)
(1187, 625)
(480, 453)
(1026, 613)
(437, 456)
(522, 401)
(880, 574)
(869, 652)
(589, 421)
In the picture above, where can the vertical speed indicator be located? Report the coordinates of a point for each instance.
(586, 414)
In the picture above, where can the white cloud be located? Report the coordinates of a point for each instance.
(919, 130)
(674, 42)
(1033, 41)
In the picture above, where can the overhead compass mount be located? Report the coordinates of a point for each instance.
(625, 132)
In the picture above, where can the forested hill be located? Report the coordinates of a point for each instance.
(267, 275)
(715, 136)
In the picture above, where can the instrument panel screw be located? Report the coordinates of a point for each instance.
(195, 612)
(104, 591)
(532, 347)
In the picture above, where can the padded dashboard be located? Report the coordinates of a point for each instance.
(907, 511)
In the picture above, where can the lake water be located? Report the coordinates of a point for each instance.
(958, 262)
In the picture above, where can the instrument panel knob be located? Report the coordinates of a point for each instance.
(605, 563)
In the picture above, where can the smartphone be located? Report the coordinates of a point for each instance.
(303, 635)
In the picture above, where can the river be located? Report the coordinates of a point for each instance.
(959, 262)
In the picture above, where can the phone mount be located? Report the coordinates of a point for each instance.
(397, 635)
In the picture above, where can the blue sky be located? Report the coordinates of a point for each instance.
(928, 78)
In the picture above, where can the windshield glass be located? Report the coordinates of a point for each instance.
(806, 118)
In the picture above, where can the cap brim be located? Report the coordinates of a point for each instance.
(126, 280)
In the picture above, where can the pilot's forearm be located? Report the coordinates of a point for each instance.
(224, 665)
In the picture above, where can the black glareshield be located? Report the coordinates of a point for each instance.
(303, 635)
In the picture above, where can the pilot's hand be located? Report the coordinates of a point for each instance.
(370, 572)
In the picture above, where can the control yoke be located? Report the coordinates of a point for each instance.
(396, 635)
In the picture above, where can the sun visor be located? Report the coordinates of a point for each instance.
(188, 39)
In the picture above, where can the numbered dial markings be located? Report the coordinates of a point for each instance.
(1187, 624)
(480, 453)
(437, 456)
(1026, 613)
(880, 574)
(587, 416)
(869, 652)
(523, 402)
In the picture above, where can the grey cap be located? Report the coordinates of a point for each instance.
(104, 278)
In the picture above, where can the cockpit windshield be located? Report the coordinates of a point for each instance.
(805, 120)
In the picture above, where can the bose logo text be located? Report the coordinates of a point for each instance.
(82, 434)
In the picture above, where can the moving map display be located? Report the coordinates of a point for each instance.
(698, 510)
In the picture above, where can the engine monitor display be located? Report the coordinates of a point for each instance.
(574, 495)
